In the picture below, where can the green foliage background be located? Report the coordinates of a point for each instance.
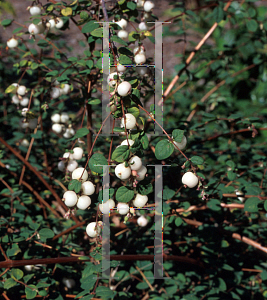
(215, 242)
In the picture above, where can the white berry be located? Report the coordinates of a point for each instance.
(123, 34)
(130, 121)
(135, 163)
(77, 153)
(51, 23)
(69, 133)
(142, 26)
(122, 23)
(124, 88)
(125, 142)
(141, 173)
(84, 202)
(122, 172)
(15, 99)
(148, 6)
(21, 90)
(64, 118)
(72, 165)
(140, 200)
(70, 198)
(181, 145)
(25, 101)
(35, 10)
(111, 81)
(121, 68)
(25, 143)
(12, 43)
(59, 23)
(55, 118)
(67, 155)
(190, 179)
(24, 112)
(77, 173)
(142, 221)
(105, 207)
(55, 92)
(140, 58)
(123, 208)
(87, 188)
(57, 128)
(141, 70)
(66, 89)
(61, 166)
(139, 3)
(92, 230)
(139, 50)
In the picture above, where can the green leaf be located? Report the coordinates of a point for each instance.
(6, 22)
(231, 175)
(46, 233)
(97, 32)
(125, 60)
(252, 25)
(80, 133)
(178, 221)
(89, 27)
(214, 204)
(197, 160)
(121, 153)
(144, 141)
(104, 292)
(11, 89)
(96, 162)
(14, 250)
(163, 149)
(167, 193)
(251, 204)
(30, 291)
(124, 194)
(178, 134)
(17, 274)
(131, 5)
(75, 185)
(66, 11)
(94, 101)
(9, 283)
(134, 110)
(116, 39)
(144, 188)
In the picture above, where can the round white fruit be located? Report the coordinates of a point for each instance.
(55, 118)
(24, 101)
(57, 128)
(142, 221)
(61, 166)
(15, 99)
(69, 133)
(35, 10)
(124, 88)
(130, 121)
(33, 29)
(122, 172)
(181, 145)
(67, 155)
(140, 200)
(140, 58)
(92, 230)
(139, 50)
(84, 202)
(64, 118)
(25, 143)
(123, 208)
(52, 23)
(141, 173)
(125, 142)
(142, 26)
(65, 89)
(87, 188)
(111, 81)
(77, 153)
(190, 179)
(21, 90)
(135, 163)
(105, 207)
(72, 165)
(24, 112)
(59, 23)
(121, 68)
(122, 23)
(148, 6)
(12, 43)
(55, 92)
(80, 173)
(141, 70)
(70, 198)
(123, 34)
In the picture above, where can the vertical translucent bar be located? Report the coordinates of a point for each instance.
(105, 88)
(158, 79)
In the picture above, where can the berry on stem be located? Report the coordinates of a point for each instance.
(190, 179)
(87, 188)
(77, 173)
(12, 43)
(122, 172)
(130, 121)
(84, 202)
(70, 198)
